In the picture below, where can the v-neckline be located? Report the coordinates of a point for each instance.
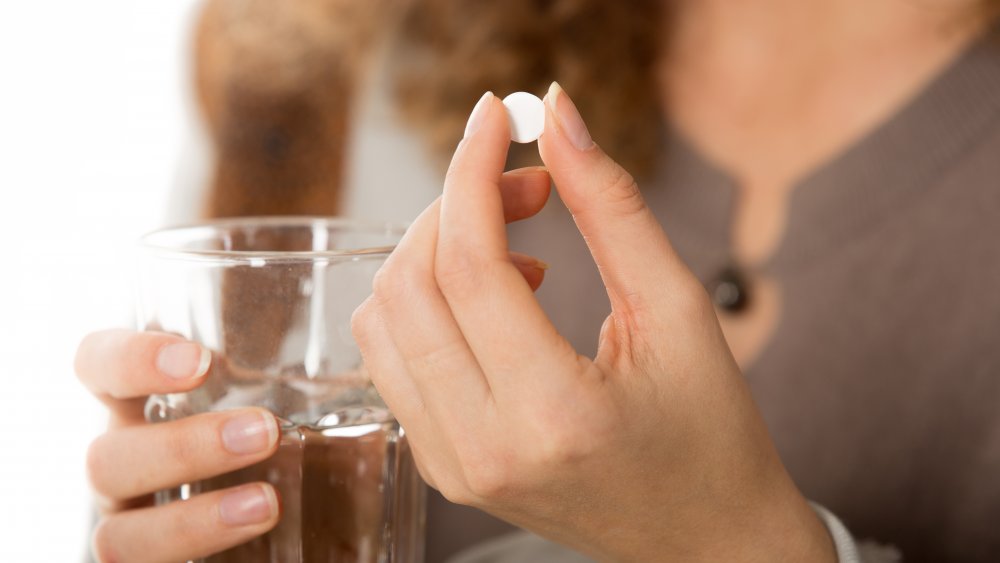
(859, 186)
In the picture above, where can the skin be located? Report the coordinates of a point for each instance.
(659, 425)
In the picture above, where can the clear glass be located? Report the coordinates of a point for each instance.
(272, 299)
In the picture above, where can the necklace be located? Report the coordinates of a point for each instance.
(729, 290)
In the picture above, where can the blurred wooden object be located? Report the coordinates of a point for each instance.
(274, 82)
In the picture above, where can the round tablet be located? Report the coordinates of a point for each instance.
(526, 114)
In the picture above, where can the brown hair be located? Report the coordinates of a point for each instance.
(450, 52)
(276, 81)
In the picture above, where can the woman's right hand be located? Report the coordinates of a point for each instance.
(133, 459)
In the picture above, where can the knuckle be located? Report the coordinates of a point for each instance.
(360, 321)
(426, 473)
(485, 473)
(487, 481)
(455, 493)
(621, 195)
(457, 269)
(139, 350)
(565, 438)
(396, 283)
(449, 492)
(97, 464)
(556, 449)
(384, 285)
(181, 446)
(560, 445)
(458, 168)
(187, 525)
(101, 542)
(439, 360)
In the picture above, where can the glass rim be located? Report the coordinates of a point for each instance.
(167, 242)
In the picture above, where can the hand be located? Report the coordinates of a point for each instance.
(134, 459)
(651, 451)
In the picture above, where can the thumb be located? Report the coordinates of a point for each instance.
(633, 254)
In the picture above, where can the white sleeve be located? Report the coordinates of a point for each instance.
(850, 551)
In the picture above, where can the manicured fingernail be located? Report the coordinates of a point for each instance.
(185, 360)
(252, 504)
(478, 115)
(250, 432)
(525, 260)
(568, 117)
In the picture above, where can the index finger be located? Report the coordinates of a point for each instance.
(119, 366)
(494, 307)
(632, 252)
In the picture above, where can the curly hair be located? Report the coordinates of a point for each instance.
(449, 53)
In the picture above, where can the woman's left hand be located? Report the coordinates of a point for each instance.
(651, 451)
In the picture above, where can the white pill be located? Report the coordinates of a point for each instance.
(526, 114)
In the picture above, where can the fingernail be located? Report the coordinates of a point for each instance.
(185, 360)
(568, 117)
(250, 433)
(525, 260)
(478, 115)
(253, 504)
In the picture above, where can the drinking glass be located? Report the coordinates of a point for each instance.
(272, 299)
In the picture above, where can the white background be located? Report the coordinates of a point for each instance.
(93, 120)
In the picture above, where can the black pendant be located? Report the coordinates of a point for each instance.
(729, 290)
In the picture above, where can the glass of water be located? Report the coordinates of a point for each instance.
(272, 299)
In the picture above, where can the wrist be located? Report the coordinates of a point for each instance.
(776, 525)
(773, 524)
(786, 528)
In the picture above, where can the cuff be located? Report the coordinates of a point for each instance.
(847, 550)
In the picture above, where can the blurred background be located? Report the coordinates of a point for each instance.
(94, 113)
(100, 142)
